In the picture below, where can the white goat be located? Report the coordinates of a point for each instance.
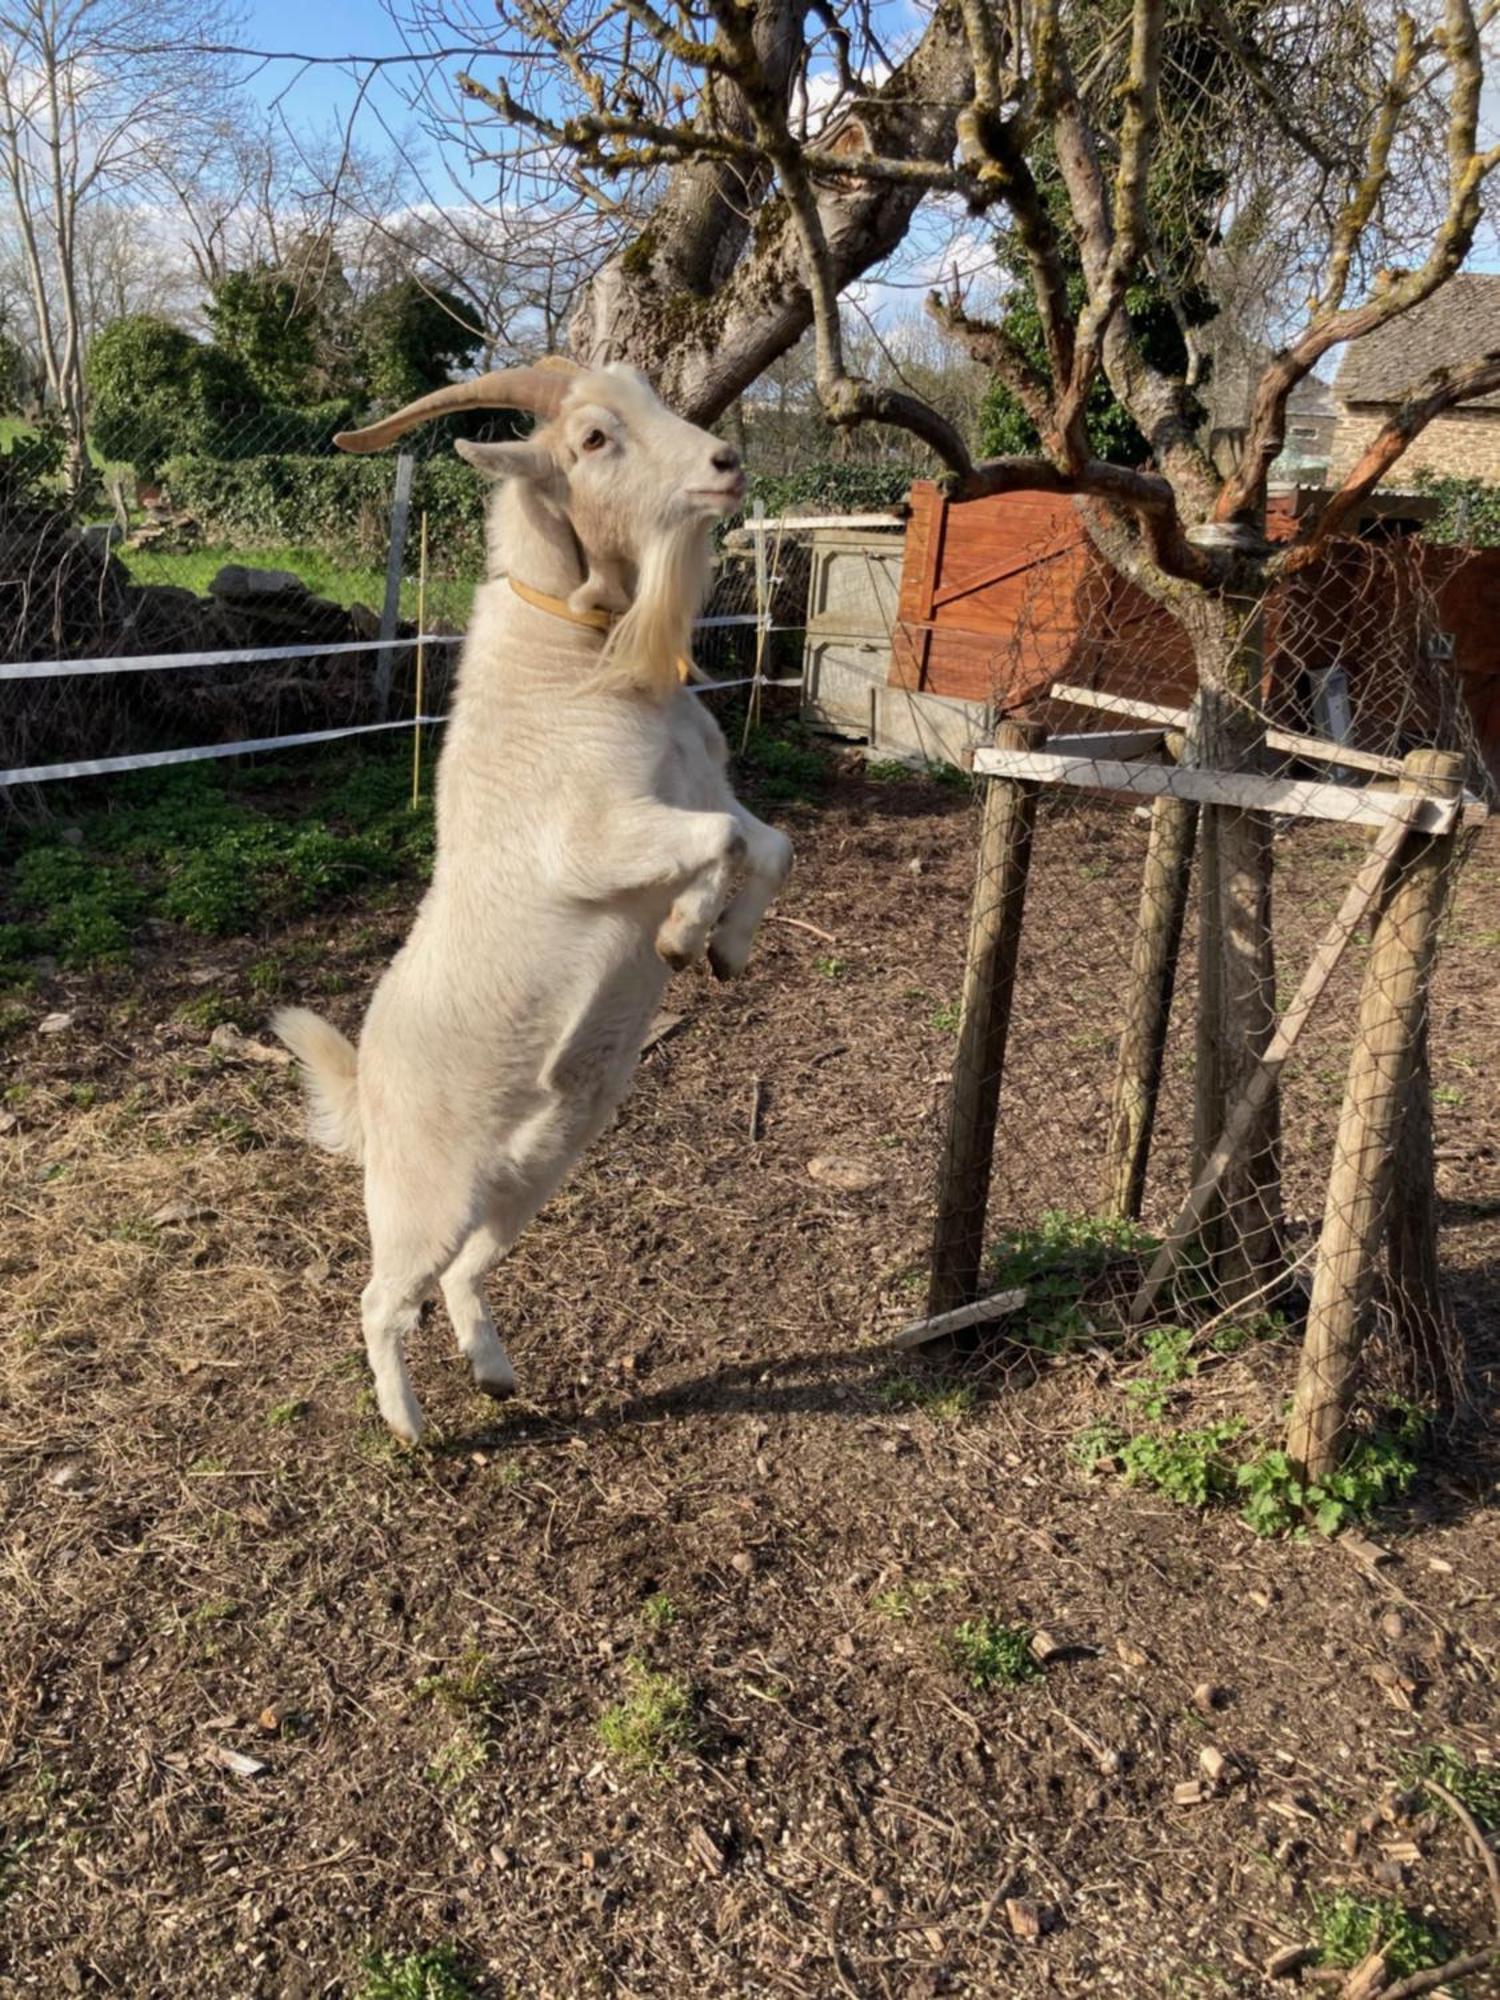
(587, 842)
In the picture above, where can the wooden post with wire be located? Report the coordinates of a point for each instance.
(1153, 974)
(1392, 1009)
(421, 692)
(989, 982)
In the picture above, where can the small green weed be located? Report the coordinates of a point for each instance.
(831, 968)
(1168, 1362)
(660, 1612)
(1054, 1261)
(209, 1010)
(946, 1018)
(785, 766)
(1350, 1927)
(1236, 1335)
(995, 1655)
(1374, 1470)
(453, 1768)
(471, 1686)
(1476, 1786)
(654, 1724)
(1098, 1441)
(1447, 1094)
(413, 1975)
(948, 1402)
(1190, 1467)
(285, 1415)
(214, 1611)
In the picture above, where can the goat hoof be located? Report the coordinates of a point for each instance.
(722, 966)
(499, 1387)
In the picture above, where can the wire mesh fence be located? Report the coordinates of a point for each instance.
(1199, 970)
(278, 574)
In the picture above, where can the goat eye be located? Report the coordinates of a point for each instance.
(594, 441)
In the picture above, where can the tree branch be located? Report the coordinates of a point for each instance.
(1329, 325)
(1441, 391)
(1145, 497)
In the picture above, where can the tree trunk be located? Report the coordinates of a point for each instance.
(713, 290)
(1236, 963)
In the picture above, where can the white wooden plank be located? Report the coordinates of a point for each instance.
(1249, 791)
(1107, 743)
(1119, 704)
(1320, 751)
(995, 1307)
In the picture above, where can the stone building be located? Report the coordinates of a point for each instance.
(1458, 323)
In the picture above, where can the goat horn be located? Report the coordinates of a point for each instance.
(543, 390)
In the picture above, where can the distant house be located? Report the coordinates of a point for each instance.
(1458, 323)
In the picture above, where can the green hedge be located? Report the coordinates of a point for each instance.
(339, 504)
(343, 504)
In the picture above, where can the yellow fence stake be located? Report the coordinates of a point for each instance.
(416, 735)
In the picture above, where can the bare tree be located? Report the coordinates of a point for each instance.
(87, 110)
(788, 146)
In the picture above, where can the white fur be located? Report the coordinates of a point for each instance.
(587, 841)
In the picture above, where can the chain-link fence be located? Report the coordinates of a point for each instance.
(1212, 867)
(272, 583)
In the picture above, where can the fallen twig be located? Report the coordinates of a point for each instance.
(1477, 1841)
(756, 1096)
(797, 924)
(1437, 1975)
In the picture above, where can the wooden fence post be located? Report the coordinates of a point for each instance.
(1153, 973)
(989, 981)
(1392, 1008)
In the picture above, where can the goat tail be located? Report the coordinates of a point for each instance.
(329, 1076)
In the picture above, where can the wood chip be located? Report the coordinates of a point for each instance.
(846, 1172)
(1289, 1960)
(1214, 1764)
(663, 1026)
(8, 1121)
(1371, 1976)
(227, 1040)
(54, 1024)
(235, 1760)
(1363, 1549)
(1046, 1646)
(1023, 1916)
(182, 1211)
(1188, 1793)
(1209, 1698)
(705, 1848)
(1131, 1654)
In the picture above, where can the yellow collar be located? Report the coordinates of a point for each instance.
(595, 621)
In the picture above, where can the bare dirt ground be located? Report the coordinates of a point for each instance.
(273, 1692)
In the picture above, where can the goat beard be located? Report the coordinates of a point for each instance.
(646, 644)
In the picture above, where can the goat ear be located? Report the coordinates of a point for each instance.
(522, 458)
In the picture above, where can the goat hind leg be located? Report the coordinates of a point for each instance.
(389, 1307)
(478, 1342)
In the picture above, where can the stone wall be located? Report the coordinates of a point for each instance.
(1460, 446)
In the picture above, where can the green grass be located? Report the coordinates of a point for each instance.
(471, 1686)
(660, 1612)
(205, 849)
(993, 1654)
(947, 1402)
(324, 573)
(413, 1975)
(653, 1725)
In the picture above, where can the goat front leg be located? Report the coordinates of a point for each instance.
(691, 855)
(768, 860)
